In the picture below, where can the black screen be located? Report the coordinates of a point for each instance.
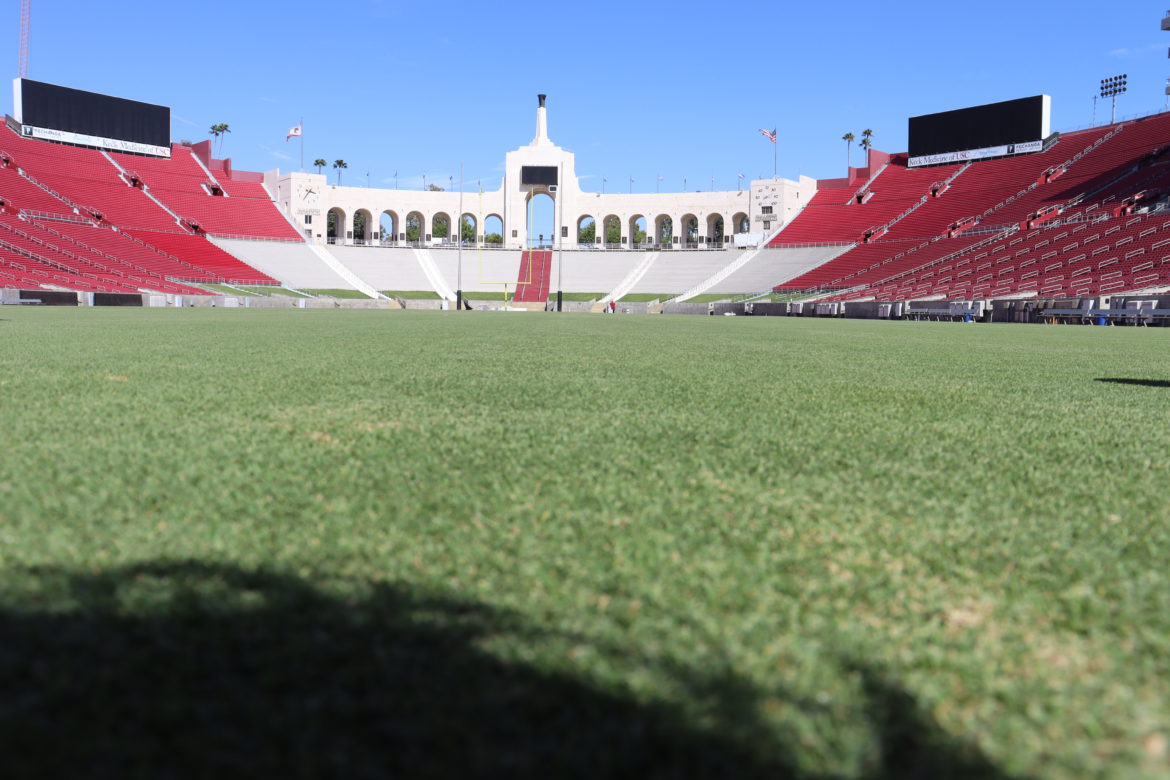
(538, 174)
(979, 127)
(88, 113)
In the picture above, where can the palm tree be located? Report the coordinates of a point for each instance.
(866, 139)
(340, 165)
(320, 164)
(217, 133)
(848, 138)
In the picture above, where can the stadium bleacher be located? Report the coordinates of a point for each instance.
(1060, 222)
(893, 190)
(201, 253)
(60, 203)
(1087, 215)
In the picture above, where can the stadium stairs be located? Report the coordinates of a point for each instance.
(532, 280)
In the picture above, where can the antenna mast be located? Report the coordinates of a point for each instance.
(25, 13)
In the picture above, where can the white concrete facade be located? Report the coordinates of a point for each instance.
(763, 207)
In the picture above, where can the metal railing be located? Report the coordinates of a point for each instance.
(236, 237)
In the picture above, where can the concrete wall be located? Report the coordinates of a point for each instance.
(295, 265)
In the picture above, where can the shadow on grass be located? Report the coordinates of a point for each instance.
(177, 670)
(1139, 382)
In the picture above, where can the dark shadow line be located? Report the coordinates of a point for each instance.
(1138, 382)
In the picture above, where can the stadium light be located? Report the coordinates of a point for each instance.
(1111, 88)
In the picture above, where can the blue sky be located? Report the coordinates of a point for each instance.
(635, 89)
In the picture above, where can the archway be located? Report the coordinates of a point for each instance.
(336, 226)
(637, 230)
(741, 223)
(714, 228)
(416, 226)
(441, 227)
(363, 226)
(664, 229)
(468, 229)
(689, 225)
(388, 225)
(493, 230)
(586, 230)
(541, 215)
(613, 231)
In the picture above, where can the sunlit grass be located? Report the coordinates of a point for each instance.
(964, 516)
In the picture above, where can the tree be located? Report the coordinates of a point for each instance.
(493, 238)
(467, 229)
(587, 234)
(866, 141)
(440, 228)
(340, 165)
(435, 188)
(359, 225)
(848, 138)
(319, 163)
(217, 132)
(412, 228)
(613, 231)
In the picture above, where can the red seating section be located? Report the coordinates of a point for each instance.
(58, 203)
(841, 219)
(203, 254)
(87, 179)
(250, 217)
(1054, 223)
(17, 192)
(185, 188)
(532, 282)
(87, 266)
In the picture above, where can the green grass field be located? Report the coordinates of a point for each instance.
(423, 544)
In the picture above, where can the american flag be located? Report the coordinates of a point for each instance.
(769, 134)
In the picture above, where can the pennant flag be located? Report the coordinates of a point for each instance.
(293, 132)
(769, 134)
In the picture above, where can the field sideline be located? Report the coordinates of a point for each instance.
(436, 543)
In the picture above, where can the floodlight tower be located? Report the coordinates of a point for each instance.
(25, 17)
(1111, 88)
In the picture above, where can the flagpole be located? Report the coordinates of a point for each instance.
(775, 154)
(302, 144)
